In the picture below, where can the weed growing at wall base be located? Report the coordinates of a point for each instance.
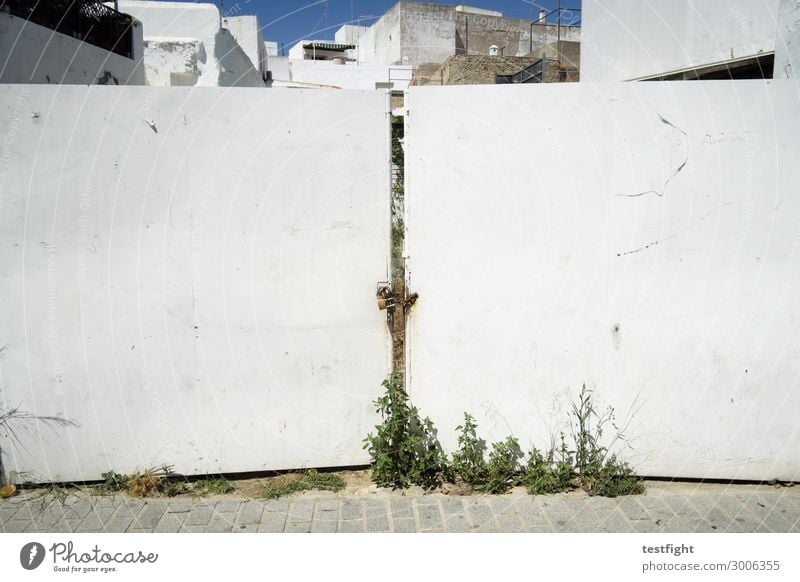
(405, 451)
(301, 481)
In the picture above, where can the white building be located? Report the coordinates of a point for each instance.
(184, 44)
(247, 32)
(686, 39)
(47, 46)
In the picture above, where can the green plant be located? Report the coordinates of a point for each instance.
(598, 472)
(587, 430)
(468, 463)
(212, 486)
(615, 478)
(502, 469)
(172, 488)
(113, 481)
(404, 450)
(546, 474)
(302, 481)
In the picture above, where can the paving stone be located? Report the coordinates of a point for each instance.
(301, 511)
(533, 519)
(192, 528)
(377, 524)
(404, 525)
(104, 512)
(509, 523)
(452, 505)
(246, 528)
(32, 528)
(778, 523)
(655, 506)
(7, 512)
(105, 500)
(297, 527)
(598, 503)
(681, 507)
(719, 519)
(129, 507)
(277, 505)
(117, 524)
(91, 523)
(500, 504)
(169, 523)
(324, 525)
(220, 523)
(327, 505)
(50, 516)
(429, 516)
(457, 523)
(632, 509)
(401, 508)
(272, 522)
(375, 508)
(149, 515)
(65, 525)
(139, 530)
(227, 506)
(479, 514)
(179, 506)
(615, 521)
(554, 503)
(351, 526)
(199, 515)
(352, 509)
(559, 519)
(702, 526)
(249, 513)
(679, 525)
(647, 526)
(79, 508)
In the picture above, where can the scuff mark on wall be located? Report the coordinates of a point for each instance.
(674, 173)
(673, 235)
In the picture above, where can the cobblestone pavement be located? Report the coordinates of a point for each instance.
(666, 507)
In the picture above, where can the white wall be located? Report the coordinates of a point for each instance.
(624, 39)
(349, 76)
(190, 275)
(247, 32)
(30, 53)
(787, 42)
(198, 21)
(350, 34)
(167, 56)
(280, 68)
(540, 267)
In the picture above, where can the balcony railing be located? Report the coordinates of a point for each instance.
(88, 20)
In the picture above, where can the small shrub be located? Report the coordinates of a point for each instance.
(148, 482)
(113, 481)
(302, 481)
(468, 464)
(405, 450)
(614, 478)
(543, 475)
(598, 472)
(153, 481)
(172, 488)
(502, 470)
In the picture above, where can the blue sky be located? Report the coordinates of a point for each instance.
(287, 21)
